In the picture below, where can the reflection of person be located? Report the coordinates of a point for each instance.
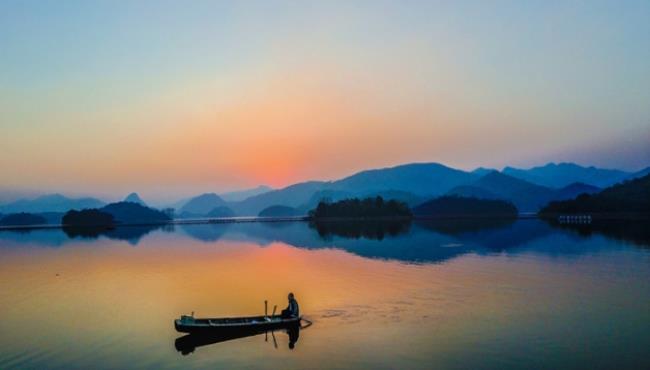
(294, 333)
(292, 309)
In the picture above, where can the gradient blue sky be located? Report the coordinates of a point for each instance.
(173, 97)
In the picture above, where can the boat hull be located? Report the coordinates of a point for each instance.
(234, 326)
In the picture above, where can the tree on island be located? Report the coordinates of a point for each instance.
(133, 213)
(21, 219)
(88, 217)
(375, 207)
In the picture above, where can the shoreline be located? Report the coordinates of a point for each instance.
(201, 221)
(228, 220)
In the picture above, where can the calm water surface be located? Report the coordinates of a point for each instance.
(450, 295)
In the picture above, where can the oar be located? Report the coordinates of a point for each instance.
(274, 308)
(309, 323)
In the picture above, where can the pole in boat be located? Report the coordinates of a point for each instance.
(274, 308)
(266, 308)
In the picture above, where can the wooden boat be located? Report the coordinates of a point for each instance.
(231, 326)
(190, 342)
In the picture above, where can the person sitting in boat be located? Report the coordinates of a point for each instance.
(292, 309)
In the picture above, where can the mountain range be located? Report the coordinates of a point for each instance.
(562, 174)
(50, 203)
(235, 196)
(529, 189)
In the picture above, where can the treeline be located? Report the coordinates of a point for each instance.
(375, 207)
(88, 217)
(19, 219)
(125, 213)
(628, 197)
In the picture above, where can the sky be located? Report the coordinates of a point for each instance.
(174, 97)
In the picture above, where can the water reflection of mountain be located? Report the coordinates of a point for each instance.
(38, 237)
(426, 242)
(430, 241)
(56, 237)
(131, 234)
(496, 234)
(205, 232)
(637, 232)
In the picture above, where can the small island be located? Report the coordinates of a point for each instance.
(465, 207)
(368, 208)
(21, 219)
(135, 214)
(88, 217)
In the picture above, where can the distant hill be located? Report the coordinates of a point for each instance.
(293, 196)
(423, 179)
(573, 190)
(641, 173)
(632, 196)
(526, 196)
(135, 198)
(8, 195)
(455, 206)
(279, 211)
(50, 203)
(221, 211)
(414, 182)
(21, 219)
(133, 213)
(563, 174)
(201, 205)
(470, 191)
(482, 171)
(53, 218)
(235, 196)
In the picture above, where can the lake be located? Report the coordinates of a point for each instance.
(444, 295)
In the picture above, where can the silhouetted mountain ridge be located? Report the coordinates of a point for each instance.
(562, 174)
(134, 213)
(50, 203)
(135, 198)
(201, 205)
(455, 206)
(234, 196)
(629, 197)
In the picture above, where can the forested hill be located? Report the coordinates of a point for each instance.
(632, 196)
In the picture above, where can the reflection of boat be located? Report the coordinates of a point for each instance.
(188, 324)
(225, 331)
